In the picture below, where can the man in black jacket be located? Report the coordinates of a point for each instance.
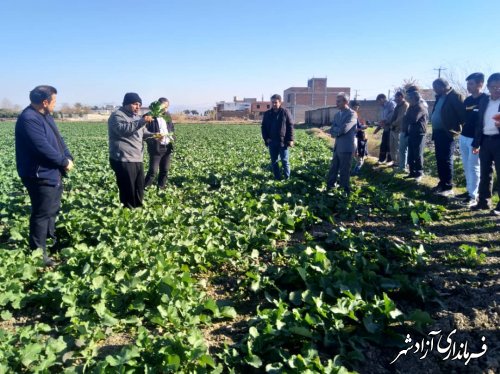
(277, 133)
(487, 143)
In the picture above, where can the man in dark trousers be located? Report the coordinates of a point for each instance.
(277, 133)
(386, 112)
(448, 117)
(126, 131)
(160, 146)
(487, 143)
(42, 160)
(344, 131)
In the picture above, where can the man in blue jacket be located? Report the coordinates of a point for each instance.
(277, 133)
(42, 160)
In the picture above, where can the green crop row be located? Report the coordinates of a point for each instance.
(142, 274)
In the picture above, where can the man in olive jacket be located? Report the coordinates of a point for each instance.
(448, 117)
(396, 124)
(277, 133)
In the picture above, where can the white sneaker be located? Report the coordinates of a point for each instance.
(468, 202)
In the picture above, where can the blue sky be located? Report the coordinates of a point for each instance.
(199, 52)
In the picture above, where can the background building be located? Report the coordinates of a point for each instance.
(315, 95)
(259, 108)
(248, 108)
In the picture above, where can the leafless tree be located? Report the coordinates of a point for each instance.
(407, 83)
(456, 76)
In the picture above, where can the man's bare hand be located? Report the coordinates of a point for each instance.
(148, 118)
(475, 150)
(290, 144)
(70, 165)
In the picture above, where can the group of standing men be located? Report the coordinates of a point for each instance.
(473, 123)
(43, 159)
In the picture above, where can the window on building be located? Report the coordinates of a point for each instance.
(289, 98)
(258, 106)
(268, 106)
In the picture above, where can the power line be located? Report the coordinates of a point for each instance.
(439, 71)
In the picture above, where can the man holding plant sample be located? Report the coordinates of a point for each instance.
(126, 131)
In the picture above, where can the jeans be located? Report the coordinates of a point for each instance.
(159, 161)
(403, 150)
(275, 151)
(444, 146)
(45, 205)
(489, 154)
(471, 166)
(341, 163)
(416, 154)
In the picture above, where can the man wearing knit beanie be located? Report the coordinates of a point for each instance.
(130, 98)
(126, 131)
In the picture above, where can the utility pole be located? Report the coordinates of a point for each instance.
(439, 71)
(356, 94)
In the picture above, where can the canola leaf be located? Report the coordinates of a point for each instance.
(228, 312)
(254, 361)
(6, 315)
(206, 360)
(29, 353)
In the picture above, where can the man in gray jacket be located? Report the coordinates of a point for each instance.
(344, 131)
(126, 130)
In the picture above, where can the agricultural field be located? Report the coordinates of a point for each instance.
(229, 271)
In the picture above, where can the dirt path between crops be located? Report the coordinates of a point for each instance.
(469, 295)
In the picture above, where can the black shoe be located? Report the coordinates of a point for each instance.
(481, 205)
(438, 189)
(464, 195)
